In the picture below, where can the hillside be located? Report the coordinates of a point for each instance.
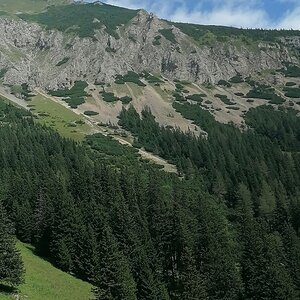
(43, 281)
(135, 57)
(49, 42)
(153, 160)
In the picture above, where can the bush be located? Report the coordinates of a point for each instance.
(292, 71)
(126, 99)
(73, 96)
(195, 97)
(129, 77)
(178, 97)
(156, 41)
(91, 113)
(239, 94)
(292, 92)
(237, 79)
(224, 99)
(290, 83)
(109, 97)
(179, 86)
(2, 73)
(224, 83)
(63, 61)
(261, 91)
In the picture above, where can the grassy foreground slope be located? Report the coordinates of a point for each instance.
(44, 281)
(29, 6)
(60, 118)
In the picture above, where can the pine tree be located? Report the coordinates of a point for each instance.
(11, 266)
(113, 277)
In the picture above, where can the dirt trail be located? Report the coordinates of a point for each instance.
(96, 129)
(6, 94)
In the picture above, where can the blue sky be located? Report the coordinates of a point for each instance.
(239, 13)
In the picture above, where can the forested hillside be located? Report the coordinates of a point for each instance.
(216, 106)
(227, 230)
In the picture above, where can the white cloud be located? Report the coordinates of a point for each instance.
(238, 13)
(291, 20)
(224, 16)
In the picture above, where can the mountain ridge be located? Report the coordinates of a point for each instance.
(31, 50)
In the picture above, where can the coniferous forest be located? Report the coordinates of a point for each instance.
(226, 228)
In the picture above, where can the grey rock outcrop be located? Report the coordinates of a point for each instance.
(32, 54)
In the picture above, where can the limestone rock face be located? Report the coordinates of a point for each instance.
(33, 54)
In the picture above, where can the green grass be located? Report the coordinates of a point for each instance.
(59, 118)
(29, 6)
(136, 89)
(44, 282)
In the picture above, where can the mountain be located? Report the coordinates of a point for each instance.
(49, 45)
(153, 160)
(98, 41)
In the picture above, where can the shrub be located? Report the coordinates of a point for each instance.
(224, 83)
(63, 61)
(91, 113)
(195, 97)
(290, 83)
(73, 96)
(130, 77)
(237, 79)
(109, 97)
(126, 99)
(156, 41)
(292, 92)
(239, 94)
(292, 71)
(2, 73)
(224, 99)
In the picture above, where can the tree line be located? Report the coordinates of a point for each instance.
(228, 229)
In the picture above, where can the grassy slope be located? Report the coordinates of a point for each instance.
(59, 118)
(15, 6)
(44, 281)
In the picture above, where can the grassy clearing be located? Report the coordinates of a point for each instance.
(120, 89)
(59, 118)
(136, 90)
(44, 281)
(164, 95)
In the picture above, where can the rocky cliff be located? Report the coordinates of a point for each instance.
(51, 58)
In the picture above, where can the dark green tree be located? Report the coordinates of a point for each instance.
(11, 266)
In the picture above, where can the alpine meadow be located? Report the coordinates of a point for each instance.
(145, 159)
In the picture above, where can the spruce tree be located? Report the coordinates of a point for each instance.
(113, 278)
(11, 265)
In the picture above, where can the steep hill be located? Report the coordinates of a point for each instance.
(117, 57)
(95, 42)
(44, 281)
